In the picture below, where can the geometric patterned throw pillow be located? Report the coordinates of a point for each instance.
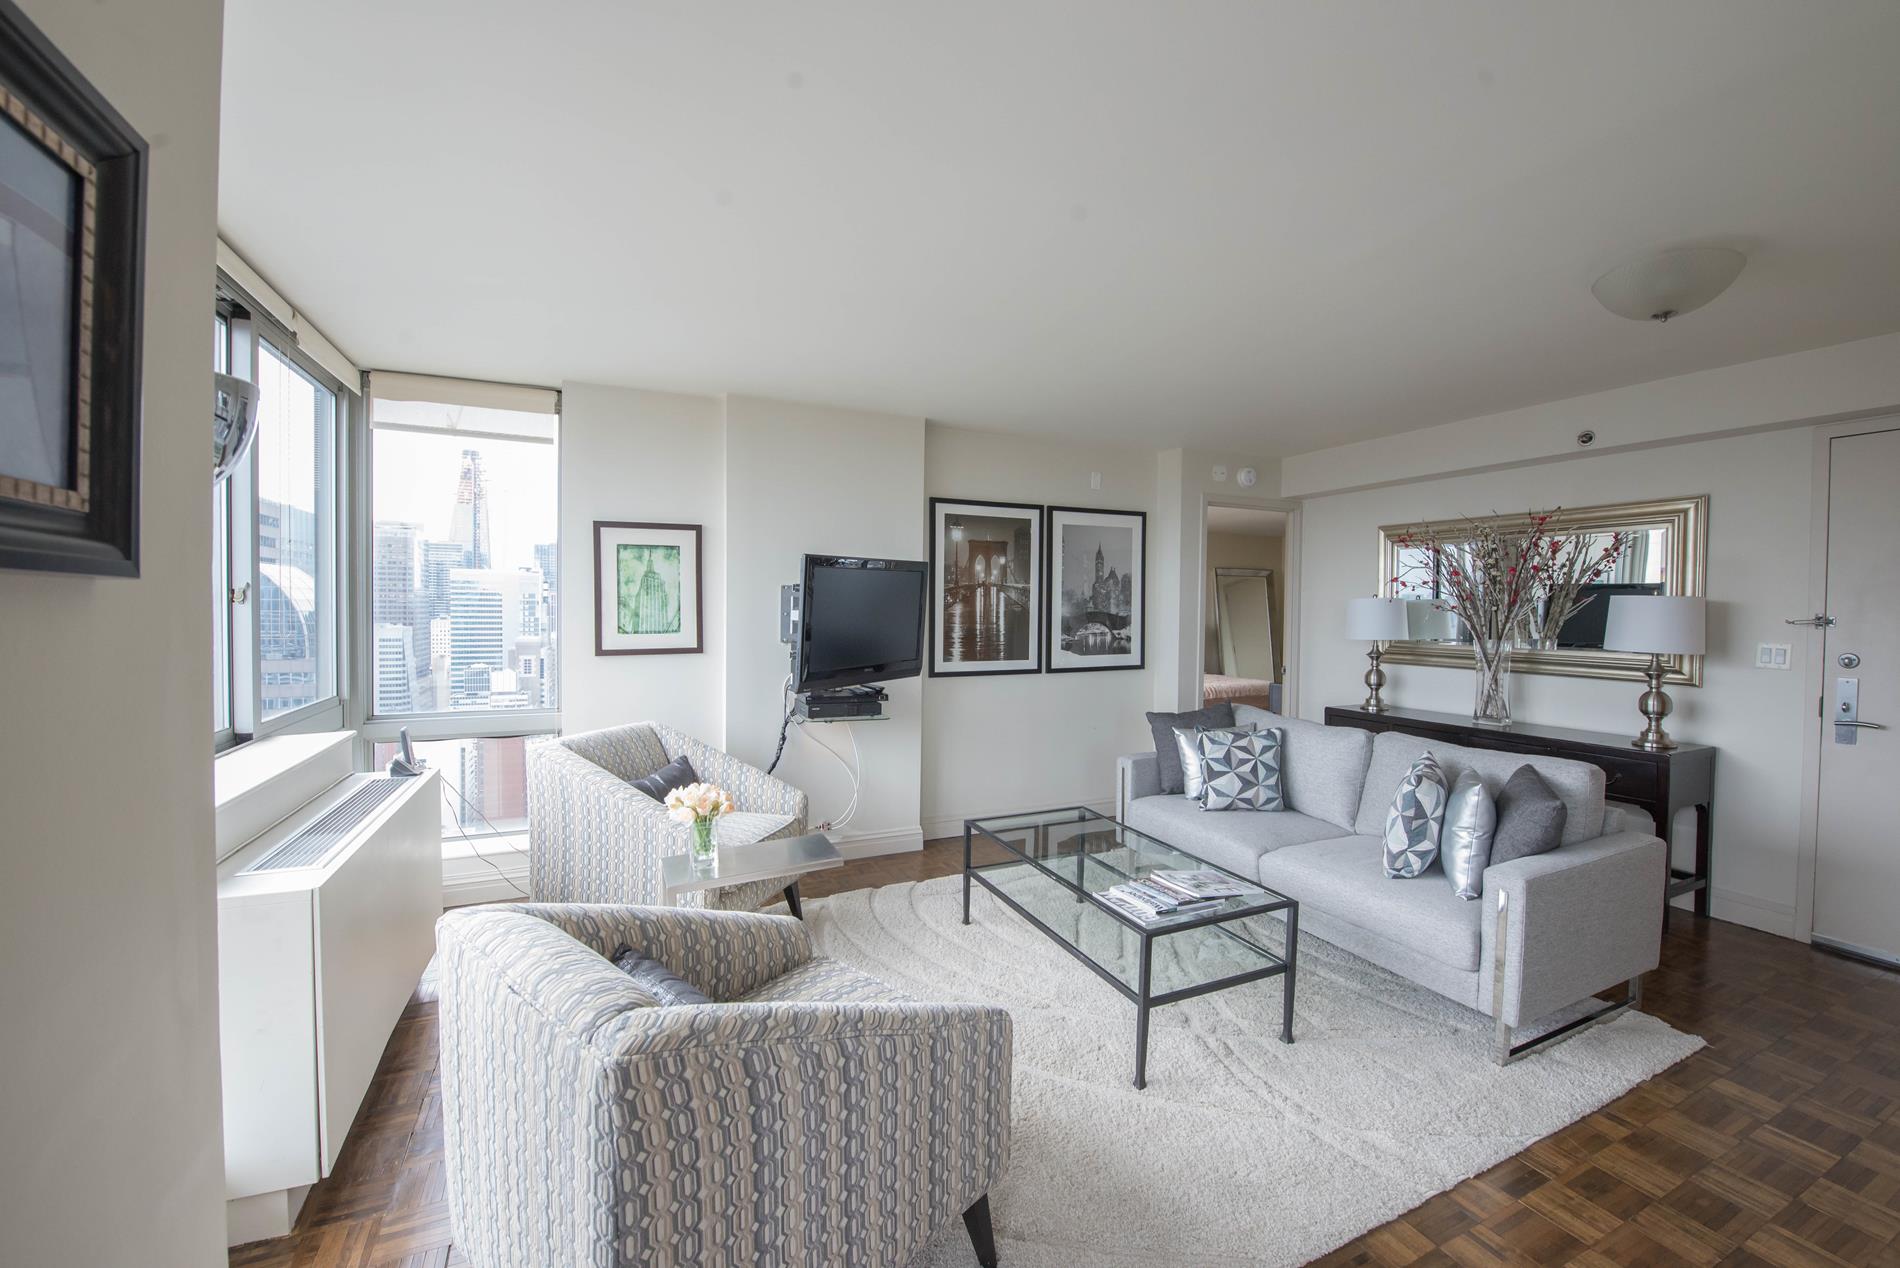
(1416, 821)
(1241, 769)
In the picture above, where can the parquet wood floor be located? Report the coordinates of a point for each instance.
(1778, 1144)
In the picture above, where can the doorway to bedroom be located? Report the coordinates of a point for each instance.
(1244, 654)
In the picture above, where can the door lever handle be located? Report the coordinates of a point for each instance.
(1865, 726)
(1819, 621)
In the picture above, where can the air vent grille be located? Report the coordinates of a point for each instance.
(312, 845)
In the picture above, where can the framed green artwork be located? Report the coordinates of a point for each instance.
(646, 588)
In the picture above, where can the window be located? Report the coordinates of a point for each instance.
(275, 594)
(464, 555)
(296, 592)
(220, 561)
(484, 782)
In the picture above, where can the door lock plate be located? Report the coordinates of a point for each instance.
(1846, 709)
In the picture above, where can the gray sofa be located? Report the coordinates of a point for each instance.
(1550, 931)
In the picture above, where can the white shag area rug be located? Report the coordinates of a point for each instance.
(1242, 1150)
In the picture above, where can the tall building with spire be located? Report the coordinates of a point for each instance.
(469, 527)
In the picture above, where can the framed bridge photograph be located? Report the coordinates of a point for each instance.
(986, 598)
(1098, 563)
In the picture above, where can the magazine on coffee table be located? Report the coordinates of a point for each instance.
(1200, 885)
(1151, 904)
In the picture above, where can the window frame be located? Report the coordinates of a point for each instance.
(248, 328)
(371, 727)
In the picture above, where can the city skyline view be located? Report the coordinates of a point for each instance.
(464, 574)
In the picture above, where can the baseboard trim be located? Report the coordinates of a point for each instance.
(855, 845)
(942, 826)
(1756, 913)
(467, 879)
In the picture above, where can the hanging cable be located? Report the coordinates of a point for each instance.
(469, 841)
(853, 770)
(785, 723)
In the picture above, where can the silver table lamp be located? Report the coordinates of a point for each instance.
(1659, 625)
(1378, 621)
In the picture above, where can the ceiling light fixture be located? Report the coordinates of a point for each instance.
(1667, 284)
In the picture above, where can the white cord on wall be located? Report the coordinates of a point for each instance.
(853, 771)
(469, 841)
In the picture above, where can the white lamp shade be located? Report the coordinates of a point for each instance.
(1656, 623)
(1376, 620)
(1430, 623)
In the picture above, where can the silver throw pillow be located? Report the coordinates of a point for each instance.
(1187, 747)
(1471, 819)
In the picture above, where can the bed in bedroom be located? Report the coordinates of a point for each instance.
(1255, 691)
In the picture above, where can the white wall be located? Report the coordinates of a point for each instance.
(109, 1102)
(811, 479)
(1759, 504)
(1842, 381)
(653, 457)
(1023, 742)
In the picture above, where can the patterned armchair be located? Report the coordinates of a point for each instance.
(808, 1116)
(592, 838)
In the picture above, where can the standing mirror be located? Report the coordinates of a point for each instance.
(1243, 608)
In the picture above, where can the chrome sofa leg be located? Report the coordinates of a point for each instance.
(1503, 1051)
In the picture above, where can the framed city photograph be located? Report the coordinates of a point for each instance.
(986, 601)
(72, 228)
(646, 588)
(1097, 578)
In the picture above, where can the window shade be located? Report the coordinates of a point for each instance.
(429, 403)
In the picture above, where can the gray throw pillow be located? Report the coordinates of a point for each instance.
(1167, 756)
(1416, 821)
(656, 979)
(1241, 769)
(675, 774)
(1471, 820)
(1530, 818)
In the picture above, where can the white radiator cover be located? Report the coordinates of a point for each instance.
(315, 966)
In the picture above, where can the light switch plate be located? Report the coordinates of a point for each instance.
(1772, 655)
(1220, 474)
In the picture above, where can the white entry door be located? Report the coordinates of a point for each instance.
(1857, 838)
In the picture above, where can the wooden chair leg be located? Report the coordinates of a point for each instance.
(982, 1236)
(791, 901)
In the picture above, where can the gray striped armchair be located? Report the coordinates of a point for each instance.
(594, 838)
(808, 1116)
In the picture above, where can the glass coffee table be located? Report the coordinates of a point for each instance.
(1059, 861)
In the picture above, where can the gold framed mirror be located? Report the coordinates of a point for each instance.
(1668, 554)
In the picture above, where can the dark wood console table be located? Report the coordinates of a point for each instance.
(1661, 783)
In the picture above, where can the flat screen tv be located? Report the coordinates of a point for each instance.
(1586, 625)
(862, 621)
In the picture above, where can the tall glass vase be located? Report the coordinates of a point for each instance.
(705, 845)
(1493, 663)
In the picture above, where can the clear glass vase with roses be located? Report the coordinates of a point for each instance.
(699, 806)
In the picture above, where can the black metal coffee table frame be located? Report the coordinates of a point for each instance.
(1274, 964)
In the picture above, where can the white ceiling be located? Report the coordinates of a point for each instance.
(1264, 227)
(1241, 522)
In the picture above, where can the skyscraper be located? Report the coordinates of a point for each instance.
(395, 669)
(469, 527)
(438, 558)
(477, 646)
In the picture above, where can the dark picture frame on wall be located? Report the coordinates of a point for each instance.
(649, 599)
(72, 244)
(1096, 589)
(986, 588)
